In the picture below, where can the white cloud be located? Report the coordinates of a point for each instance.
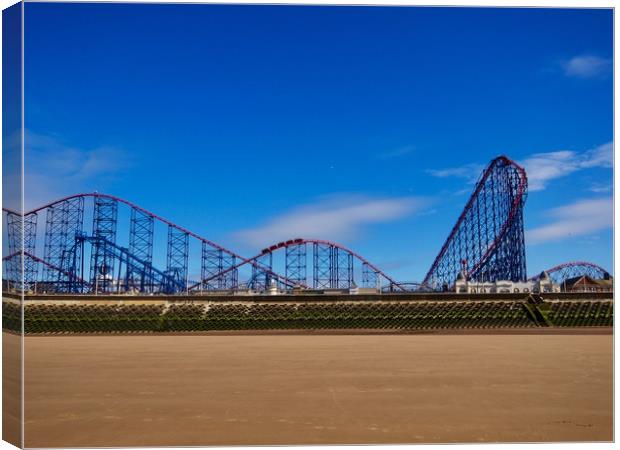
(601, 156)
(544, 167)
(470, 172)
(577, 219)
(47, 153)
(338, 218)
(53, 169)
(587, 66)
(601, 188)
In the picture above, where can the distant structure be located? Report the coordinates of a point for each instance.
(539, 284)
(542, 283)
(584, 283)
(579, 276)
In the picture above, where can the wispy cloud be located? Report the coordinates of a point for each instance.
(396, 153)
(337, 217)
(544, 167)
(541, 168)
(53, 168)
(50, 154)
(587, 66)
(470, 172)
(577, 219)
(601, 188)
(467, 190)
(589, 240)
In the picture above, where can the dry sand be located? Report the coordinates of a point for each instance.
(287, 389)
(11, 388)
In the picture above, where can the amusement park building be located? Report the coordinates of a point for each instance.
(543, 283)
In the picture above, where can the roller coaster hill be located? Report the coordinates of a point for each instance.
(60, 257)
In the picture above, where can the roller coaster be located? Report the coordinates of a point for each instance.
(573, 269)
(157, 256)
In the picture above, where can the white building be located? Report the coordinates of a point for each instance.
(543, 283)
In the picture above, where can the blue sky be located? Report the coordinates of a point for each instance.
(365, 125)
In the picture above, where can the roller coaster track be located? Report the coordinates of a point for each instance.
(72, 206)
(155, 217)
(486, 243)
(572, 269)
(317, 244)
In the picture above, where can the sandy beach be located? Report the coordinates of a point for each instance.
(316, 389)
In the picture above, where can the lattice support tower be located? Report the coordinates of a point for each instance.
(295, 263)
(261, 278)
(63, 222)
(177, 255)
(370, 278)
(215, 261)
(141, 228)
(105, 217)
(322, 257)
(126, 262)
(31, 266)
(73, 261)
(13, 266)
(342, 269)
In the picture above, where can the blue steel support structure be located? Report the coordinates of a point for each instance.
(333, 267)
(141, 228)
(31, 266)
(127, 263)
(215, 261)
(104, 226)
(13, 266)
(177, 255)
(342, 269)
(296, 262)
(63, 222)
(322, 257)
(261, 278)
(370, 278)
(487, 242)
